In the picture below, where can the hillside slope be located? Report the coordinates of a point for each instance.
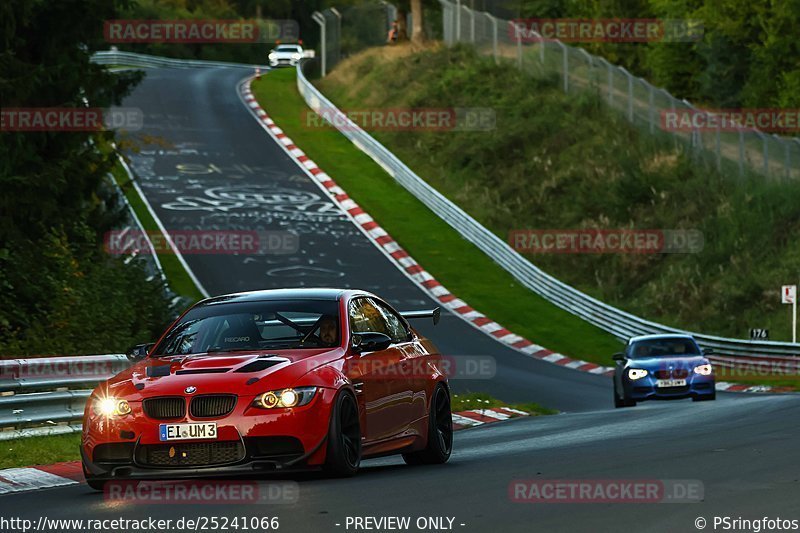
(566, 162)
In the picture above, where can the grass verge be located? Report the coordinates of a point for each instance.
(177, 277)
(456, 263)
(39, 450)
(479, 400)
(553, 161)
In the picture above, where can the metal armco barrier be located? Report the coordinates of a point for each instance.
(40, 395)
(115, 57)
(615, 321)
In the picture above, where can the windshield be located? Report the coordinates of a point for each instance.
(287, 48)
(665, 347)
(250, 326)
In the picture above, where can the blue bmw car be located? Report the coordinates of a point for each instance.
(662, 367)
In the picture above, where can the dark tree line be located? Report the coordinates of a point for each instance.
(59, 292)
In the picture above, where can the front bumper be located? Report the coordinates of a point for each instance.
(646, 388)
(249, 440)
(283, 62)
(247, 465)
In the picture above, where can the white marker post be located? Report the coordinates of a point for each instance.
(789, 296)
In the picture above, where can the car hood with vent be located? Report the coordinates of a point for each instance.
(245, 374)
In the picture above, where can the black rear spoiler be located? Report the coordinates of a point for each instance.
(428, 313)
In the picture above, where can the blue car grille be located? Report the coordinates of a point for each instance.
(677, 373)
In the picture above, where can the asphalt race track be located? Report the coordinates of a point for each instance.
(216, 168)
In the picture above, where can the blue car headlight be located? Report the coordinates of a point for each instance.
(636, 373)
(703, 370)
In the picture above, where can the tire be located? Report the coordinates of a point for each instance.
(617, 402)
(440, 432)
(624, 402)
(343, 455)
(706, 398)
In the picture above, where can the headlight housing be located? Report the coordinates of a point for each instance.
(110, 406)
(704, 370)
(636, 373)
(272, 55)
(284, 398)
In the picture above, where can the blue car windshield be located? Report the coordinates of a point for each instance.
(664, 347)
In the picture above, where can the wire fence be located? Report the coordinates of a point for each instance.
(739, 151)
(349, 30)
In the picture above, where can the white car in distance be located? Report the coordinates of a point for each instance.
(285, 55)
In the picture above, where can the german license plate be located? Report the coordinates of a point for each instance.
(670, 383)
(187, 431)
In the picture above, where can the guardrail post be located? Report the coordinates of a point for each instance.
(542, 45)
(565, 65)
(765, 141)
(590, 62)
(741, 152)
(472, 23)
(519, 45)
(338, 46)
(630, 95)
(494, 38)
(458, 21)
(320, 19)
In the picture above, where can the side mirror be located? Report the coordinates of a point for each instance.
(708, 351)
(619, 356)
(139, 352)
(370, 341)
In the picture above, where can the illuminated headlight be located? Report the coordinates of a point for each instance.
(272, 55)
(703, 370)
(636, 373)
(111, 407)
(285, 398)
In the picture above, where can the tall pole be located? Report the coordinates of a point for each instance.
(338, 37)
(458, 21)
(320, 19)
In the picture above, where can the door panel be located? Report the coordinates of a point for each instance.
(385, 391)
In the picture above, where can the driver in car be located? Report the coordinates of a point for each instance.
(328, 330)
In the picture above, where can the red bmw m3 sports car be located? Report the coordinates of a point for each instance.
(272, 380)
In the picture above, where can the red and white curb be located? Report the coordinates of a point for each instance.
(743, 387)
(478, 417)
(401, 258)
(40, 477)
(29, 478)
